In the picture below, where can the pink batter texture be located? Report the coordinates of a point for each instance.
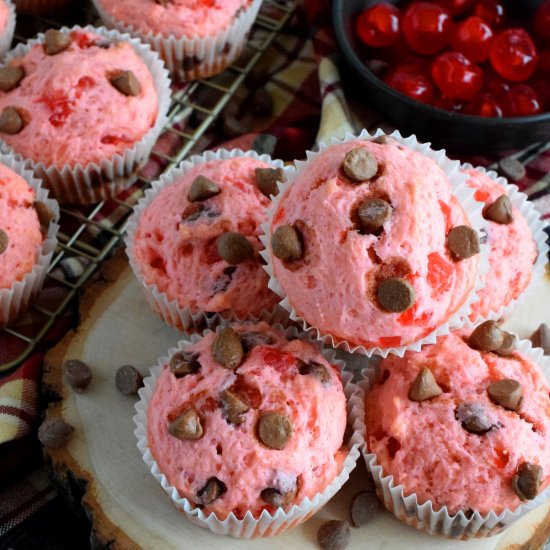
(270, 380)
(72, 113)
(426, 448)
(512, 255)
(181, 18)
(180, 256)
(334, 286)
(19, 220)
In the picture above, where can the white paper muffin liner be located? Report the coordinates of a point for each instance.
(423, 516)
(7, 34)
(15, 300)
(40, 6)
(95, 182)
(266, 524)
(183, 318)
(460, 190)
(198, 57)
(533, 218)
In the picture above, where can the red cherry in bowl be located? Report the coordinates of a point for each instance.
(379, 25)
(426, 27)
(523, 101)
(514, 55)
(541, 22)
(473, 38)
(456, 76)
(491, 11)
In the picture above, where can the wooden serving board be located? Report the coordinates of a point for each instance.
(102, 469)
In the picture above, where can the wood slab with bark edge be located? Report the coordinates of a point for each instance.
(102, 470)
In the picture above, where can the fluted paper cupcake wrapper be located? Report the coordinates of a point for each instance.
(460, 190)
(198, 57)
(533, 218)
(95, 182)
(424, 516)
(266, 524)
(15, 300)
(182, 317)
(7, 34)
(40, 7)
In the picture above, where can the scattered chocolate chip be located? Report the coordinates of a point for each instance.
(286, 243)
(126, 83)
(183, 363)
(4, 241)
(224, 280)
(234, 248)
(276, 498)
(312, 368)
(541, 338)
(44, 213)
(227, 349)
(334, 535)
(54, 433)
(128, 380)
(463, 242)
(500, 211)
(232, 127)
(55, 42)
(202, 188)
(187, 426)
(274, 430)
(424, 386)
(199, 212)
(10, 77)
(506, 393)
(234, 406)
(213, 490)
(250, 340)
(488, 336)
(395, 294)
(512, 169)
(77, 374)
(364, 507)
(527, 481)
(474, 418)
(509, 342)
(261, 102)
(383, 140)
(360, 165)
(267, 178)
(373, 214)
(11, 122)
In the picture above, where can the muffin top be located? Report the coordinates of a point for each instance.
(374, 263)
(464, 428)
(84, 101)
(512, 248)
(247, 419)
(197, 241)
(181, 18)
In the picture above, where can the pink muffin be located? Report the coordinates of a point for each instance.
(370, 245)
(248, 420)
(512, 248)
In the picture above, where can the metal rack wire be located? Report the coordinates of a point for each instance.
(84, 231)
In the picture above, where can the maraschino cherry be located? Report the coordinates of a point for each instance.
(514, 55)
(456, 76)
(379, 25)
(426, 27)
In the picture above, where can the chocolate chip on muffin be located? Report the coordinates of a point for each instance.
(55, 42)
(187, 426)
(10, 77)
(234, 248)
(527, 481)
(500, 211)
(488, 336)
(274, 430)
(507, 393)
(11, 122)
(4, 241)
(360, 165)
(287, 243)
(202, 188)
(463, 242)
(424, 386)
(228, 349)
(183, 363)
(395, 294)
(126, 83)
(267, 178)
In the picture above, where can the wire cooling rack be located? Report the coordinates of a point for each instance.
(91, 233)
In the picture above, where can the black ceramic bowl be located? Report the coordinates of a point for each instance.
(455, 131)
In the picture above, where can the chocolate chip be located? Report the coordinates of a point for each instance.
(54, 433)
(506, 393)
(274, 430)
(277, 498)
(183, 363)
(55, 42)
(424, 386)
(202, 188)
(44, 213)
(4, 241)
(234, 248)
(250, 340)
(286, 243)
(474, 418)
(213, 490)
(261, 102)
(384, 140)
(500, 211)
(10, 77)
(11, 122)
(128, 380)
(224, 280)
(334, 535)
(360, 165)
(373, 214)
(227, 349)
(312, 368)
(126, 83)
(267, 178)
(509, 342)
(77, 374)
(488, 336)
(395, 294)
(234, 406)
(527, 481)
(541, 338)
(364, 507)
(187, 426)
(199, 211)
(511, 168)
(463, 242)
